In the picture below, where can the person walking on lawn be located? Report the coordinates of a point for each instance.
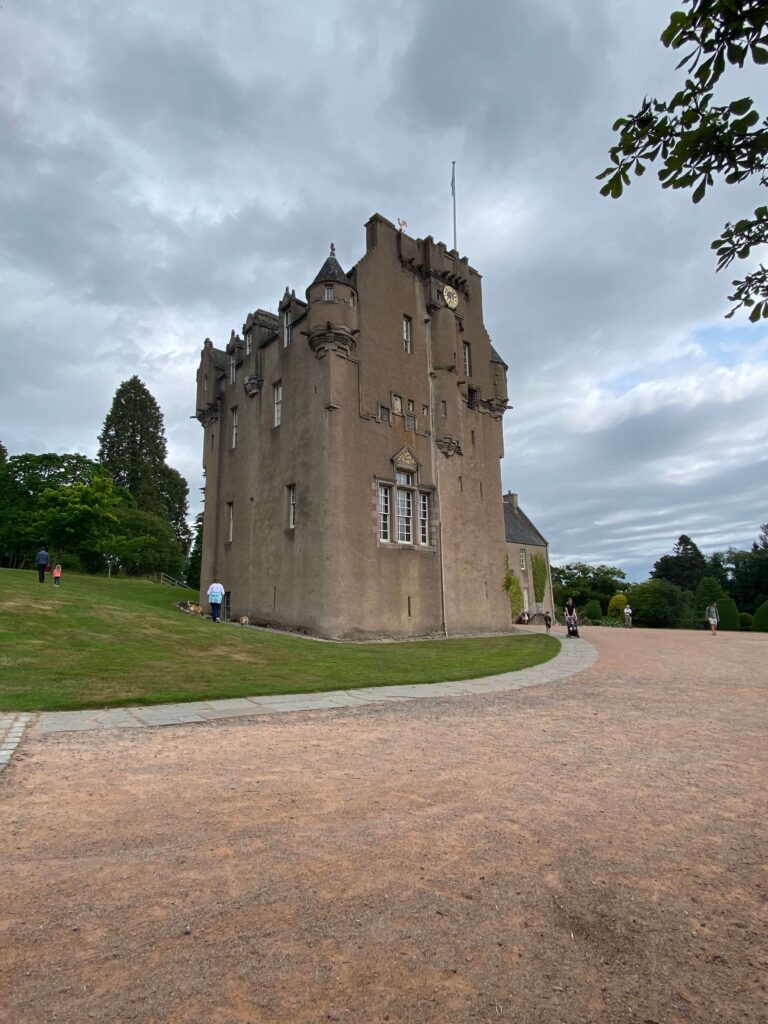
(215, 597)
(42, 558)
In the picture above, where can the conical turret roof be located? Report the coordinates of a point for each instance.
(331, 270)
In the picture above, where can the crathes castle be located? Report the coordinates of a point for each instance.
(352, 453)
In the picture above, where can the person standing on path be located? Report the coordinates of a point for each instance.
(42, 558)
(215, 597)
(56, 575)
(627, 617)
(713, 617)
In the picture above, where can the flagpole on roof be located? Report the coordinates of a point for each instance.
(453, 193)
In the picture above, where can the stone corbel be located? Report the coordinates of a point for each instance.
(449, 445)
(253, 386)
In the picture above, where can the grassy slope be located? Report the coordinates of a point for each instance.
(99, 643)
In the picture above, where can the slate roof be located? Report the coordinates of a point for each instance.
(518, 527)
(496, 358)
(331, 271)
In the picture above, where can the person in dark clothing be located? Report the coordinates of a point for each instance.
(42, 558)
(571, 620)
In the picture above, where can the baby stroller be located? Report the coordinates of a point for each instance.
(572, 625)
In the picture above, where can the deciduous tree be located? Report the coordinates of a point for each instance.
(697, 140)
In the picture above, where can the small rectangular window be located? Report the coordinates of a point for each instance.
(329, 293)
(287, 328)
(230, 521)
(384, 414)
(397, 405)
(248, 342)
(424, 518)
(402, 476)
(522, 559)
(425, 410)
(410, 406)
(467, 359)
(471, 398)
(234, 427)
(291, 489)
(410, 422)
(443, 409)
(385, 494)
(407, 343)
(278, 393)
(205, 382)
(232, 368)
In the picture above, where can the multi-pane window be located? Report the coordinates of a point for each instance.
(522, 559)
(234, 428)
(467, 359)
(232, 368)
(287, 328)
(424, 518)
(407, 342)
(329, 293)
(291, 489)
(385, 500)
(404, 515)
(277, 390)
(230, 521)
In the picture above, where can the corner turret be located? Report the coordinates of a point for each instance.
(332, 323)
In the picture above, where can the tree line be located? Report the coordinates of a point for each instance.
(125, 511)
(681, 586)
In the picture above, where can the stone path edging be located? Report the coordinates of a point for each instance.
(574, 656)
(12, 728)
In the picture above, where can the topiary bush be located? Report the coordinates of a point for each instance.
(592, 610)
(746, 620)
(760, 619)
(729, 614)
(616, 606)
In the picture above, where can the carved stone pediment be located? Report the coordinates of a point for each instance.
(449, 445)
(405, 459)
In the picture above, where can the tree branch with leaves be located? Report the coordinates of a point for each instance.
(697, 140)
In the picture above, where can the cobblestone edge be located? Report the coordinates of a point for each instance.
(574, 656)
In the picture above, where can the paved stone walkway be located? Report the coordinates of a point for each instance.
(11, 730)
(574, 656)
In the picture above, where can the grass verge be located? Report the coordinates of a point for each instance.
(96, 643)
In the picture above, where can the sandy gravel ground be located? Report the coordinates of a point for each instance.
(591, 850)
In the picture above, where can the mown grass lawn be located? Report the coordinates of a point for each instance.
(95, 642)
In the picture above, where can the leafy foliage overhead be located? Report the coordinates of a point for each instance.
(697, 140)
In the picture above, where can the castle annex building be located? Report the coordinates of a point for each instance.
(352, 451)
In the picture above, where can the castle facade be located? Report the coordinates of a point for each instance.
(352, 451)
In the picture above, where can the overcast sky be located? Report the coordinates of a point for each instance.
(168, 166)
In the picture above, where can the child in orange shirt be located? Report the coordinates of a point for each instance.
(57, 576)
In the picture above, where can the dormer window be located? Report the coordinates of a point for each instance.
(329, 293)
(287, 328)
(232, 367)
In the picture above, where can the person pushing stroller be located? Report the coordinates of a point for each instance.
(571, 619)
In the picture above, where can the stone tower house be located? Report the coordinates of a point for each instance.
(352, 451)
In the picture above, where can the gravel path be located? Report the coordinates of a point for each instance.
(592, 849)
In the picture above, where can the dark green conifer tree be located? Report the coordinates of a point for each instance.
(133, 450)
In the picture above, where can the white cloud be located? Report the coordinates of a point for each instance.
(164, 169)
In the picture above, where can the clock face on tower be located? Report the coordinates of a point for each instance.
(451, 297)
